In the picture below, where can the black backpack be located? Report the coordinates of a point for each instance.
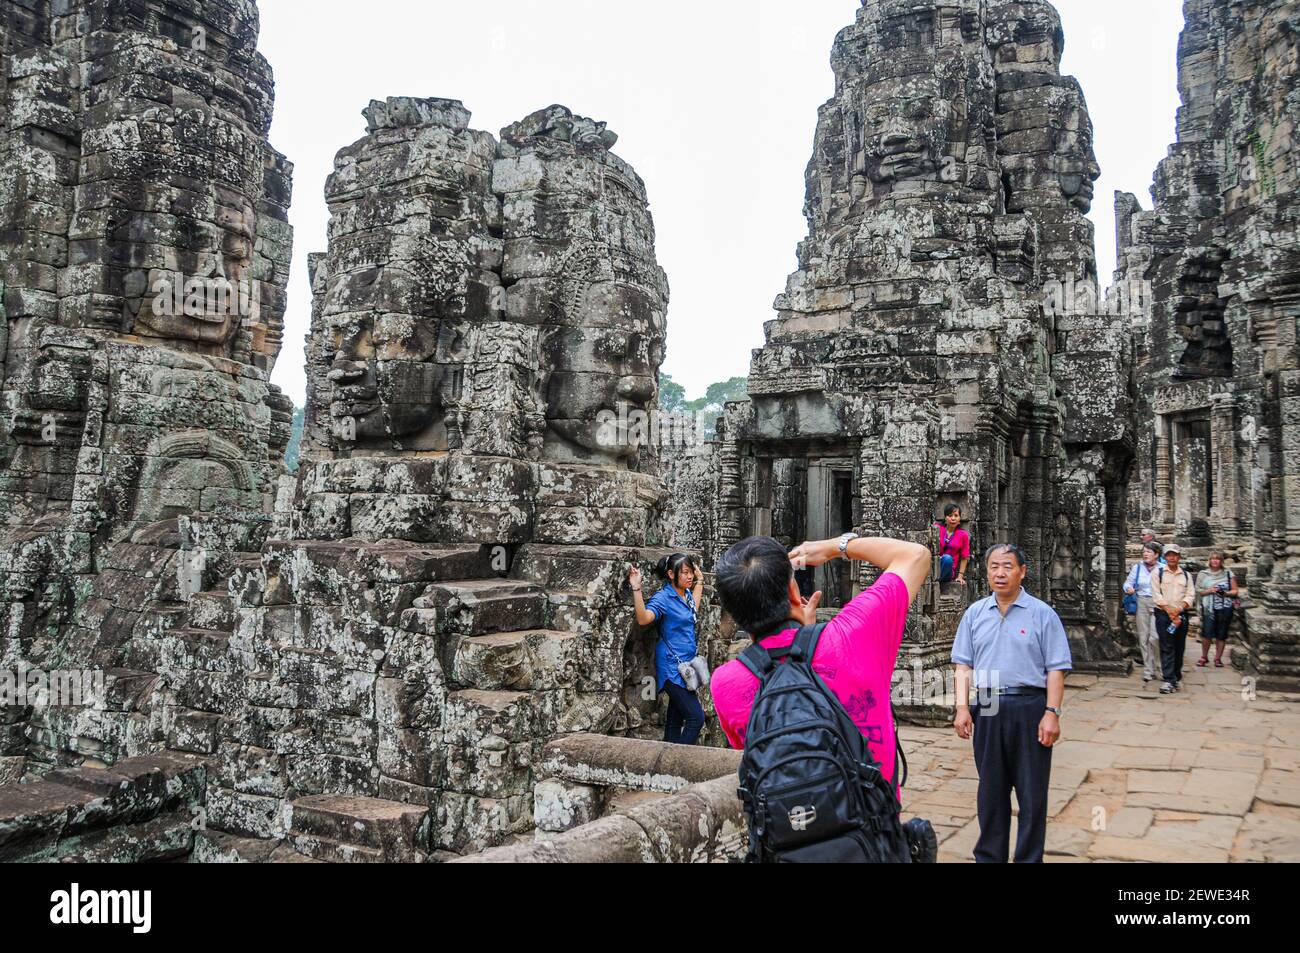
(812, 790)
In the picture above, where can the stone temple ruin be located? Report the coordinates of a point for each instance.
(1218, 439)
(912, 362)
(421, 643)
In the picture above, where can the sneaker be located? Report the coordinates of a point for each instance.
(1167, 689)
(1147, 678)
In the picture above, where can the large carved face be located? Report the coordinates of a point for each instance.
(384, 309)
(1076, 163)
(904, 136)
(603, 371)
(385, 383)
(209, 291)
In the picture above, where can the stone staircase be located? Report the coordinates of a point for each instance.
(511, 659)
(345, 829)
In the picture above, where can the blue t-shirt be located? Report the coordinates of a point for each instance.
(1017, 650)
(675, 617)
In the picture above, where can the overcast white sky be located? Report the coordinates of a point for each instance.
(714, 101)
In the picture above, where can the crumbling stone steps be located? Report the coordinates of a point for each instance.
(483, 606)
(351, 829)
(220, 847)
(140, 809)
(536, 659)
(573, 611)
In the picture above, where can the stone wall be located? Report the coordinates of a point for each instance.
(144, 252)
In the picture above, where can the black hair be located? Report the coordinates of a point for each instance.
(1154, 547)
(753, 583)
(669, 566)
(1012, 548)
(950, 509)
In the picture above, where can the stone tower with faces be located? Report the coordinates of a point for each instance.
(914, 361)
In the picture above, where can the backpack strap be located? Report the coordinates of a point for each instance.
(756, 659)
(805, 642)
(899, 755)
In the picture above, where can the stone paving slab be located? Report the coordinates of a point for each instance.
(1209, 774)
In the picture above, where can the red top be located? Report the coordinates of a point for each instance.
(956, 545)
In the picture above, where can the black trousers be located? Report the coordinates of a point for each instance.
(1172, 646)
(685, 718)
(1009, 757)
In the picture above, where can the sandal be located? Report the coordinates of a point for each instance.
(1218, 663)
(1203, 662)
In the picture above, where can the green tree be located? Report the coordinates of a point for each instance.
(672, 395)
(715, 397)
(295, 441)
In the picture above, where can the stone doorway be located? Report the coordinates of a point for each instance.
(829, 513)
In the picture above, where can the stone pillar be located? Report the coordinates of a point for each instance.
(1223, 437)
(1162, 507)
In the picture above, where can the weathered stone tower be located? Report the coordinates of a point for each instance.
(913, 361)
(1218, 464)
(145, 251)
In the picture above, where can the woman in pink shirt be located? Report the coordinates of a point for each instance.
(954, 545)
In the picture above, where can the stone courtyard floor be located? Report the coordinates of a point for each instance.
(1204, 775)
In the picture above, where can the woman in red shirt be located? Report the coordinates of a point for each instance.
(954, 545)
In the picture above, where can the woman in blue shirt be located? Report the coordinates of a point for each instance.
(673, 608)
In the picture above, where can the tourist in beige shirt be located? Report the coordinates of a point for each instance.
(1174, 594)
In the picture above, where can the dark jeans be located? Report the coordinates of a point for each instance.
(685, 718)
(1171, 646)
(1008, 757)
(946, 573)
(1215, 625)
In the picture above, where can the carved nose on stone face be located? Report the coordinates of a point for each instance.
(636, 388)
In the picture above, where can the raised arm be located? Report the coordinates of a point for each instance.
(643, 615)
(909, 561)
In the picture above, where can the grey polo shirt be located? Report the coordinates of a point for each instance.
(1015, 650)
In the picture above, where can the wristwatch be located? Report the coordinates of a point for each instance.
(1054, 711)
(844, 543)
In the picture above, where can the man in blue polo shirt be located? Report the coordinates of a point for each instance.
(1015, 648)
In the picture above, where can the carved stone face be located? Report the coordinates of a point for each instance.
(602, 383)
(384, 310)
(386, 384)
(211, 292)
(904, 137)
(1076, 163)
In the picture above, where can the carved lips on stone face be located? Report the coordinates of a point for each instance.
(603, 374)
